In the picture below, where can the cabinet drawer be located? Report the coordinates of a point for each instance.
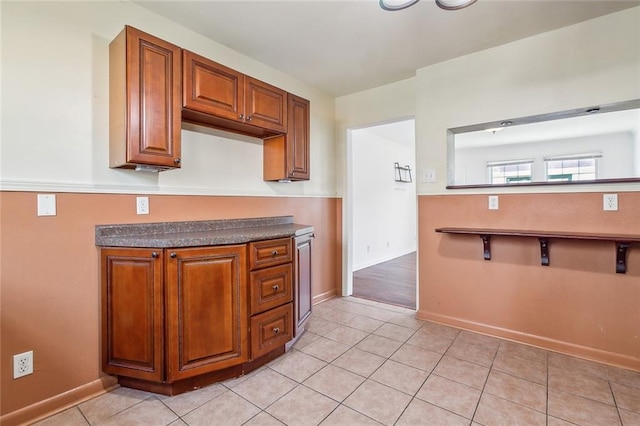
(271, 329)
(269, 253)
(270, 287)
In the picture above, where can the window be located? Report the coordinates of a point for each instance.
(572, 167)
(510, 171)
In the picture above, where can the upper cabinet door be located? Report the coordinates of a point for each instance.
(265, 105)
(286, 157)
(212, 88)
(220, 92)
(145, 101)
(298, 138)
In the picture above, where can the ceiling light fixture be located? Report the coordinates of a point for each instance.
(454, 4)
(396, 4)
(503, 124)
(393, 5)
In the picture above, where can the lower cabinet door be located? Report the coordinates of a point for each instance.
(207, 310)
(271, 329)
(132, 313)
(302, 281)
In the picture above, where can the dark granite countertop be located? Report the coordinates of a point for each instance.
(198, 233)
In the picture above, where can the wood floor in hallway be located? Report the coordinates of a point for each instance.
(392, 282)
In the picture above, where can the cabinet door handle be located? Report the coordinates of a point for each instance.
(177, 160)
(248, 118)
(241, 116)
(173, 255)
(274, 253)
(154, 254)
(276, 330)
(276, 287)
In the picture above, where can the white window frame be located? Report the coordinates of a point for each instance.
(491, 164)
(584, 156)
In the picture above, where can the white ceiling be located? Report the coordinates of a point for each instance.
(345, 46)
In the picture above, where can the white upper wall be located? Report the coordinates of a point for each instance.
(376, 106)
(55, 122)
(591, 63)
(594, 62)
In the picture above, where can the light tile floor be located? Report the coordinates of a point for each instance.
(367, 363)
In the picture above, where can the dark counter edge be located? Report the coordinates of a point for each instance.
(198, 233)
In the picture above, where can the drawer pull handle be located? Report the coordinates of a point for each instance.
(276, 287)
(173, 255)
(154, 255)
(274, 253)
(276, 330)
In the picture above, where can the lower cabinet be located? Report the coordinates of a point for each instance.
(302, 279)
(271, 295)
(133, 313)
(206, 310)
(177, 319)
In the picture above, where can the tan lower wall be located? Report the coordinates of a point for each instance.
(50, 279)
(577, 305)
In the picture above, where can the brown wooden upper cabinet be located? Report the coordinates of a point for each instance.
(286, 157)
(154, 86)
(144, 107)
(233, 101)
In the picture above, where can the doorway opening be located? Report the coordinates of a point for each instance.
(382, 194)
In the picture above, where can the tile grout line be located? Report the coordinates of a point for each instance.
(369, 377)
(485, 384)
(298, 384)
(615, 401)
(547, 358)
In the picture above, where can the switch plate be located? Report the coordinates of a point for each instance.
(46, 204)
(494, 203)
(142, 205)
(429, 175)
(610, 202)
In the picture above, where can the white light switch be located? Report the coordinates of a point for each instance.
(429, 175)
(46, 204)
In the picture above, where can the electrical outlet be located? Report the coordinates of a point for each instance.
(22, 364)
(610, 202)
(142, 205)
(493, 202)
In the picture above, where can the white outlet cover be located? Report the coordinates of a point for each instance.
(142, 205)
(22, 364)
(610, 202)
(494, 202)
(46, 204)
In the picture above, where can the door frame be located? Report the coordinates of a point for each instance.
(347, 209)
